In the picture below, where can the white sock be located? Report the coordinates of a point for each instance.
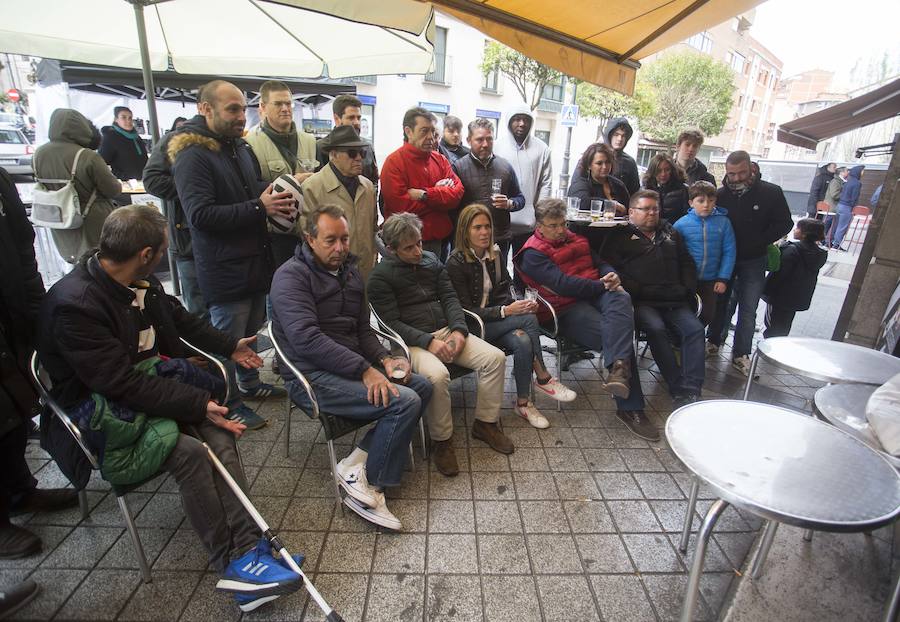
(357, 456)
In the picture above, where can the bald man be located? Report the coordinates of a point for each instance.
(226, 204)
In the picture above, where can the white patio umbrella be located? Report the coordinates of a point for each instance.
(277, 38)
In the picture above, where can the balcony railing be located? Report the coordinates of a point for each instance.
(549, 105)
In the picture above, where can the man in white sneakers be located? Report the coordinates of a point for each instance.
(321, 319)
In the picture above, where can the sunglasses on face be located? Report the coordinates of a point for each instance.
(354, 153)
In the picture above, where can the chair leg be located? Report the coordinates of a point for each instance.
(334, 475)
(559, 368)
(689, 515)
(83, 503)
(424, 439)
(135, 540)
(412, 458)
(892, 608)
(807, 535)
(754, 361)
(693, 586)
(287, 426)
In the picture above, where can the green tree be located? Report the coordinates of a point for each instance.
(596, 102)
(681, 90)
(529, 76)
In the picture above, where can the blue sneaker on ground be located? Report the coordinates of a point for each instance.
(262, 391)
(244, 414)
(256, 574)
(248, 602)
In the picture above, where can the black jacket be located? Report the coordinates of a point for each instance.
(89, 343)
(658, 272)
(126, 157)
(476, 178)
(159, 181)
(415, 299)
(817, 190)
(468, 281)
(452, 153)
(674, 200)
(792, 286)
(626, 167)
(585, 188)
(759, 217)
(698, 172)
(21, 291)
(219, 184)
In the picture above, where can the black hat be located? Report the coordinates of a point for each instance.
(342, 137)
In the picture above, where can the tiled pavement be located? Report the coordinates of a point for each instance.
(580, 523)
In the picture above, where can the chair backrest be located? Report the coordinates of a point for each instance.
(298, 375)
(214, 360)
(860, 210)
(43, 388)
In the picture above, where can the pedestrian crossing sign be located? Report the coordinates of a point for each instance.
(569, 115)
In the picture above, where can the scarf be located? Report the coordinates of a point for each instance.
(286, 142)
(351, 183)
(132, 135)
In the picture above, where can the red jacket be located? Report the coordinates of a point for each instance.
(409, 167)
(573, 257)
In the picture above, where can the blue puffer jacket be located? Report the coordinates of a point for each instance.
(710, 242)
(850, 191)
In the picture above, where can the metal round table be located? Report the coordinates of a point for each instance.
(844, 406)
(781, 465)
(825, 360)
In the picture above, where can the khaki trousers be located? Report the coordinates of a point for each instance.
(488, 361)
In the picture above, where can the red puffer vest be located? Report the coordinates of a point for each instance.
(573, 257)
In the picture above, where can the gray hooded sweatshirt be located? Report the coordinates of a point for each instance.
(531, 161)
(70, 131)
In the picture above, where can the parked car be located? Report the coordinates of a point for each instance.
(20, 122)
(15, 151)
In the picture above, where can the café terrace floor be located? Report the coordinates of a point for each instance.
(580, 523)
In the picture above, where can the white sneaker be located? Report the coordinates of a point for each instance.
(742, 364)
(352, 479)
(556, 390)
(378, 513)
(530, 413)
(711, 349)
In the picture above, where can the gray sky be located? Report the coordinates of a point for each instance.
(828, 34)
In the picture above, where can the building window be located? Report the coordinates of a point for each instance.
(544, 135)
(737, 61)
(763, 76)
(753, 105)
(440, 75)
(701, 41)
(491, 115)
(367, 112)
(439, 110)
(491, 82)
(740, 101)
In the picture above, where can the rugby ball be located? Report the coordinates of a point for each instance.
(287, 183)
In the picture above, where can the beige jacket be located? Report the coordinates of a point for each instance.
(270, 161)
(325, 187)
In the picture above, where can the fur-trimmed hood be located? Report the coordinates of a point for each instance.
(193, 132)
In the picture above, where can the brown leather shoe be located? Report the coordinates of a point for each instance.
(491, 434)
(618, 382)
(444, 458)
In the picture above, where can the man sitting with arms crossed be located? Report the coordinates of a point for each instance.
(101, 324)
(321, 317)
(591, 305)
(411, 292)
(659, 273)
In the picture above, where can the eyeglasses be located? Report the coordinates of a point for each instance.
(646, 209)
(354, 153)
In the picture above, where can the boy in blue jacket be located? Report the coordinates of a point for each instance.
(709, 237)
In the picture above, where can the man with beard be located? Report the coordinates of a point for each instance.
(226, 202)
(760, 215)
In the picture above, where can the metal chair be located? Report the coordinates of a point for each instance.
(43, 386)
(642, 335)
(334, 426)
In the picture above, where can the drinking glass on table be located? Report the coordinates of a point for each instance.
(572, 205)
(596, 209)
(609, 210)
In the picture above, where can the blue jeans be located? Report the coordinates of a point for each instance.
(190, 291)
(241, 318)
(662, 326)
(748, 283)
(387, 442)
(607, 325)
(525, 346)
(844, 216)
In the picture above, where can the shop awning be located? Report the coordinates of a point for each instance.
(878, 105)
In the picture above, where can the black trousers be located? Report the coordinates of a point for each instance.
(16, 480)
(778, 321)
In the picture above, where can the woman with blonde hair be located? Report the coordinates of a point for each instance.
(482, 283)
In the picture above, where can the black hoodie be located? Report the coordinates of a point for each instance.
(817, 189)
(792, 286)
(626, 168)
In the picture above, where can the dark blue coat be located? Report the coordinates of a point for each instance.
(320, 320)
(850, 191)
(218, 182)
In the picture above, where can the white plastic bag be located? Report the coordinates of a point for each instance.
(883, 414)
